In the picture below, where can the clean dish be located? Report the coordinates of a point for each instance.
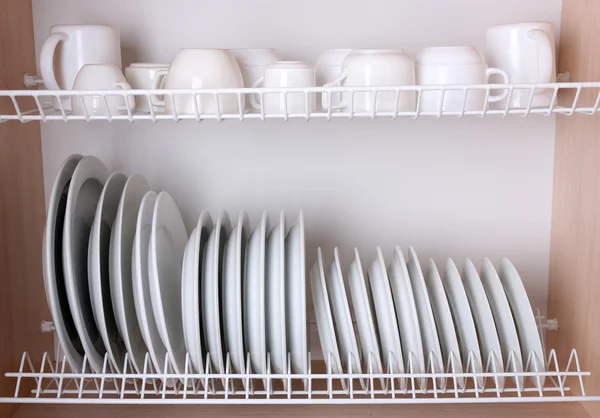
(406, 314)
(429, 334)
(484, 321)
(505, 324)
(54, 279)
(167, 244)
(121, 280)
(529, 337)
(445, 323)
(190, 291)
(459, 304)
(98, 269)
(84, 192)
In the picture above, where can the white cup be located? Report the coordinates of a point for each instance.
(79, 45)
(140, 76)
(253, 63)
(286, 74)
(455, 65)
(372, 68)
(200, 69)
(527, 52)
(101, 77)
(327, 67)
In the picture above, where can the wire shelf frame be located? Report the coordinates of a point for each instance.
(41, 103)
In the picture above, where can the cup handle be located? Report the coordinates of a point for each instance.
(544, 46)
(493, 71)
(47, 60)
(130, 99)
(158, 83)
(253, 101)
(324, 96)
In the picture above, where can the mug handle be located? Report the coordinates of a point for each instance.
(544, 47)
(158, 83)
(324, 96)
(47, 60)
(130, 99)
(493, 71)
(253, 101)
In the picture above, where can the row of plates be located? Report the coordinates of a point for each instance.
(411, 322)
(123, 279)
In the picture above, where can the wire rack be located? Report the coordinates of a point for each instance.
(47, 105)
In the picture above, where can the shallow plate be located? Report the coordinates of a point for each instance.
(84, 192)
(121, 281)
(167, 244)
(98, 269)
(54, 279)
(190, 291)
(529, 336)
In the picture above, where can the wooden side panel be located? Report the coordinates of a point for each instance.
(574, 294)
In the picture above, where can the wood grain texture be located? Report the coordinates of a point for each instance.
(574, 291)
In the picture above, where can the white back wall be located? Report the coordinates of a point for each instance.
(461, 188)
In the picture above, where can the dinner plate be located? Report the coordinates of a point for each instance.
(445, 323)
(84, 192)
(191, 300)
(295, 298)
(168, 239)
(98, 269)
(121, 281)
(385, 316)
(529, 336)
(463, 319)
(429, 332)
(233, 269)
(255, 337)
(367, 335)
(484, 322)
(212, 272)
(54, 279)
(505, 324)
(275, 297)
(406, 314)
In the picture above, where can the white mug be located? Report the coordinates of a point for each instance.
(372, 68)
(200, 69)
(455, 65)
(79, 45)
(140, 76)
(327, 67)
(101, 77)
(253, 63)
(527, 52)
(286, 74)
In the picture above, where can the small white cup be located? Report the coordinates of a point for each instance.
(286, 74)
(140, 76)
(101, 77)
(327, 67)
(253, 62)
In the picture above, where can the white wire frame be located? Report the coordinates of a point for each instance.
(43, 111)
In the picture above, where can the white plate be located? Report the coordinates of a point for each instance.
(463, 319)
(167, 244)
(429, 334)
(529, 336)
(210, 292)
(190, 291)
(325, 327)
(445, 323)
(121, 281)
(233, 268)
(141, 284)
(84, 192)
(295, 294)
(505, 324)
(406, 314)
(484, 321)
(254, 292)
(98, 269)
(367, 335)
(343, 318)
(54, 279)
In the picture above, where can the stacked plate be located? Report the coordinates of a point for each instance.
(124, 281)
(409, 322)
